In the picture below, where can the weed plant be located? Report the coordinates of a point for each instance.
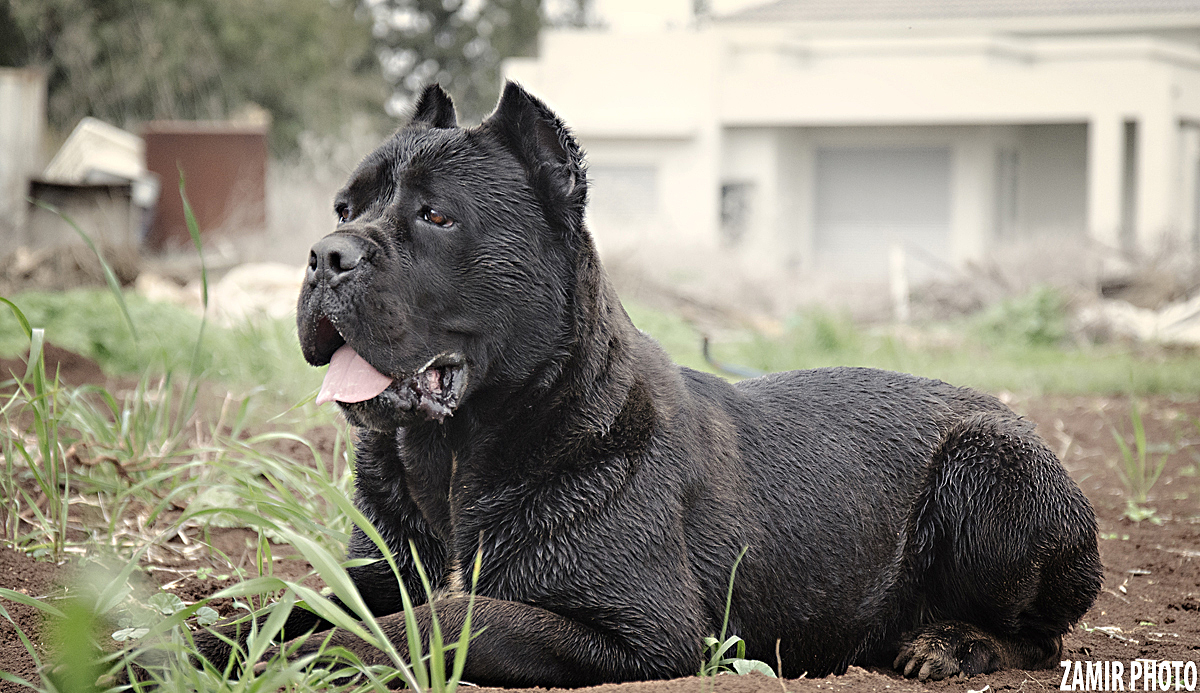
(38, 400)
(728, 654)
(1138, 473)
(1035, 319)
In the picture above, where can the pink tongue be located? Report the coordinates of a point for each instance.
(351, 379)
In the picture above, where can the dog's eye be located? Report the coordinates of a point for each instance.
(435, 217)
(343, 213)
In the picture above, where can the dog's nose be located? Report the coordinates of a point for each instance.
(336, 255)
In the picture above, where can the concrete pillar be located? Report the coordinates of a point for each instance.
(1106, 149)
(972, 203)
(797, 202)
(1158, 222)
(22, 115)
(1189, 180)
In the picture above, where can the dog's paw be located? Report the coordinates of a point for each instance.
(941, 650)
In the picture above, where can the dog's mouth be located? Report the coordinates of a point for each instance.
(432, 391)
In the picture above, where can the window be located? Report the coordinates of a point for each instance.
(736, 207)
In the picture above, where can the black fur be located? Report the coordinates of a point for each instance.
(890, 519)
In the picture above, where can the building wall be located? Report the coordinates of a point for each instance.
(741, 121)
(1189, 185)
(756, 182)
(635, 186)
(836, 198)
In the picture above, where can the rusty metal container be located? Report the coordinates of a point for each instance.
(225, 169)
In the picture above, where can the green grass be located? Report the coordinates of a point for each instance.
(42, 458)
(983, 353)
(1013, 348)
(263, 355)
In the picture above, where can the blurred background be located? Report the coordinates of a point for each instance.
(1029, 165)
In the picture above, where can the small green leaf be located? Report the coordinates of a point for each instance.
(1137, 513)
(129, 634)
(206, 616)
(745, 666)
(166, 603)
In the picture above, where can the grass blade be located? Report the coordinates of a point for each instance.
(280, 611)
(437, 654)
(25, 599)
(22, 319)
(1139, 440)
(33, 368)
(194, 230)
(464, 638)
(729, 595)
(110, 277)
(1126, 470)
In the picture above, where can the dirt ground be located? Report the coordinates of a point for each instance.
(1149, 608)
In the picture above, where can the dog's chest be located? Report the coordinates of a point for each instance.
(526, 508)
(527, 527)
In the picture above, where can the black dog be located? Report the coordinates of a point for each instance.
(510, 406)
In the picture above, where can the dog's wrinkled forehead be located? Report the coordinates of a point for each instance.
(416, 158)
(410, 151)
(417, 147)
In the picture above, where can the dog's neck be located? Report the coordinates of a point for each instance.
(577, 395)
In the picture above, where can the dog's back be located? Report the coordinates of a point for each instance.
(830, 466)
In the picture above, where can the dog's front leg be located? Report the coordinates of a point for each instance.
(516, 645)
(375, 581)
(222, 642)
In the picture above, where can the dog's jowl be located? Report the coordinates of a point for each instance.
(504, 403)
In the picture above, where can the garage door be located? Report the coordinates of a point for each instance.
(869, 198)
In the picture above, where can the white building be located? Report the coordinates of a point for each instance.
(815, 134)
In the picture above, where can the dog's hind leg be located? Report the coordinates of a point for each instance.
(1002, 545)
(947, 648)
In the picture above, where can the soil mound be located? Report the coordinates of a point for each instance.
(73, 369)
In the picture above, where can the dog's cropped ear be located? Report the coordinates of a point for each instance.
(434, 108)
(546, 148)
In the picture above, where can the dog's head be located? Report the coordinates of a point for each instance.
(451, 268)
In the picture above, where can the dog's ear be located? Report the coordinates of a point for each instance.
(546, 148)
(434, 108)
